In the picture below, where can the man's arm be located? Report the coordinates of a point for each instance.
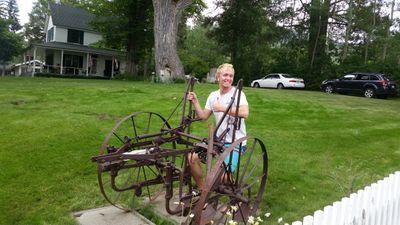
(243, 110)
(203, 114)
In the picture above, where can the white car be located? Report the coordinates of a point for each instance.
(278, 80)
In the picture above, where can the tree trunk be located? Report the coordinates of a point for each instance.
(3, 72)
(385, 46)
(167, 15)
(130, 62)
(367, 38)
(319, 17)
(348, 29)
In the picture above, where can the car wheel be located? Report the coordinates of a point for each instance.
(256, 85)
(369, 93)
(280, 86)
(328, 89)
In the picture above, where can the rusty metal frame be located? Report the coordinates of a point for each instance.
(212, 146)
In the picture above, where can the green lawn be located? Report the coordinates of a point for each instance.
(321, 147)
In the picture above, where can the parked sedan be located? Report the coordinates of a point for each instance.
(278, 80)
(368, 84)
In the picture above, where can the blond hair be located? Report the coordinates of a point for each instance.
(225, 66)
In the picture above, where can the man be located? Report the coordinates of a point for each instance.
(217, 102)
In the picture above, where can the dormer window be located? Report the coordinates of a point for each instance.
(75, 36)
(50, 34)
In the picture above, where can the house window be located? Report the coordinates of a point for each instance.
(50, 34)
(75, 36)
(72, 63)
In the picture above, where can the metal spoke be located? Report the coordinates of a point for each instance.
(118, 138)
(147, 186)
(134, 128)
(148, 123)
(247, 162)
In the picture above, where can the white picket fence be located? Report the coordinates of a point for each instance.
(377, 204)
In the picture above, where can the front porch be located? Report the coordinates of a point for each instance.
(71, 59)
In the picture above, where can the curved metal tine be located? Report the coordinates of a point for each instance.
(247, 161)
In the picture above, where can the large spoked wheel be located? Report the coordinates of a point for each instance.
(234, 196)
(121, 180)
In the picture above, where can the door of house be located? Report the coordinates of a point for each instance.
(108, 68)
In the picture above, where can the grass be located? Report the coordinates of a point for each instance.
(321, 147)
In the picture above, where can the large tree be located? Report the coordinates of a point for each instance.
(128, 26)
(3, 9)
(12, 13)
(34, 29)
(167, 16)
(239, 30)
(11, 43)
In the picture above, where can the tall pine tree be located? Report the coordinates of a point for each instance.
(34, 29)
(12, 14)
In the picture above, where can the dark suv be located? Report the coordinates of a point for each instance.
(369, 84)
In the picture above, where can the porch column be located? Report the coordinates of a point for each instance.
(34, 62)
(87, 64)
(61, 63)
(112, 67)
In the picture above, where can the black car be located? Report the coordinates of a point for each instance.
(368, 84)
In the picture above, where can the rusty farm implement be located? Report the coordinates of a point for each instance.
(144, 154)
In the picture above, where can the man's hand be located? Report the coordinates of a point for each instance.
(218, 107)
(192, 97)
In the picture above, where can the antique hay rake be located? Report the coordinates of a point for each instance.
(143, 153)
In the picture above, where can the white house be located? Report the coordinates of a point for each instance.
(67, 47)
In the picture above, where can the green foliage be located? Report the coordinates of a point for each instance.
(128, 26)
(12, 16)
(11, 43)
(34, 30)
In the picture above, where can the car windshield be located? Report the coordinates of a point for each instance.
(287, 76)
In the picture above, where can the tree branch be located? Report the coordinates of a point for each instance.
(182, 4)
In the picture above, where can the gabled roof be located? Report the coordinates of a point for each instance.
(71, 17)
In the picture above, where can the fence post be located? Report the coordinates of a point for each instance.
(308, 220)
(318, 216)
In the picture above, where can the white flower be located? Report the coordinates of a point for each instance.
(257, 223)
(229, 214)
(280, 219)
(267, 214)
(286, 224)
(191, 215)
(251, 220)
(231, 222)
(234, 208)
(259, 219)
